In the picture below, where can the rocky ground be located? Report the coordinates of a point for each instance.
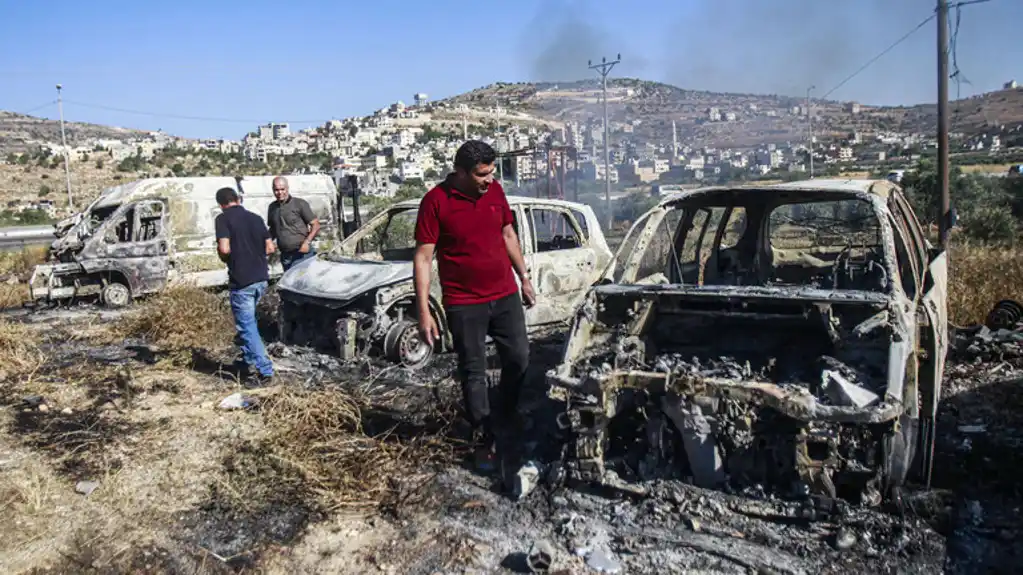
(115, 457)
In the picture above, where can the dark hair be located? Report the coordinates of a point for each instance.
(472, 153)
(226, 196)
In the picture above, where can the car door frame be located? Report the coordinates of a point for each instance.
(556, 306)
(933, 307)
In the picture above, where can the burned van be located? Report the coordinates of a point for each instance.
(139, 237)
(790, 337)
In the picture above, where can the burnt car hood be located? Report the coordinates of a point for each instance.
(342, 279)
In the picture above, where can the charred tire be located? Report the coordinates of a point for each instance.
(116, 295)
(403, 345)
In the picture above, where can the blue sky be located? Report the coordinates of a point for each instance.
(258, 61)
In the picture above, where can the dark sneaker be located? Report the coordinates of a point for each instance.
(258, 380)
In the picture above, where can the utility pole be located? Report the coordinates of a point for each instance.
(809, 128)
(605, 68)
(497, 134)
(63, 142)
(945, 219)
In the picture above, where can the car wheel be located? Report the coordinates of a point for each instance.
(116, 295)
(403, 345)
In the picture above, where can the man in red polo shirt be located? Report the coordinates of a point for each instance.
(467, 222)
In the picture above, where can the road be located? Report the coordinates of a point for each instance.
(16, 238)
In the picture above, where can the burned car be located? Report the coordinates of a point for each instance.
(137, 238)
(359, 298)
(789, 337)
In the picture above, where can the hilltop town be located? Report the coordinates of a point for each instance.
(659, 134)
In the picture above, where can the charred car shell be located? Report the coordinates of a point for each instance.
(790, 337)
(359, 298)
(137, 238)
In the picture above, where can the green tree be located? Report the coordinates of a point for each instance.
(44, 190)
(178, 169)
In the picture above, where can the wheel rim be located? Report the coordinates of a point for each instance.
(408, 348)
(116, 294)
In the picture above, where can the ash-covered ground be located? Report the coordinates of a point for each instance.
(454, 520)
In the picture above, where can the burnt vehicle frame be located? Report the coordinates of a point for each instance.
(359, 298)
(811, 369)
(138, 238)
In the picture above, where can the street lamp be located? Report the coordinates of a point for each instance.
(604, 68)
(809, 127)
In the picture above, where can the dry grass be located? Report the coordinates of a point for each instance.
(986, 168)
(19, 352)
(20, 263)
(180, 319)
(979, 277)
(13, 295)
(319, 434)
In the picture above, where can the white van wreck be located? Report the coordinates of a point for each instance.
(137, 238)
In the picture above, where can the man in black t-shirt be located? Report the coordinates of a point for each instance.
(243, 243)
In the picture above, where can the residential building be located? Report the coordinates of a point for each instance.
(373, 162)
(596, 172)
(410, 170)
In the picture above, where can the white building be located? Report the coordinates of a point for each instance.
(410, 171)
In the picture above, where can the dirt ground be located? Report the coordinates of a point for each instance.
(115, 457)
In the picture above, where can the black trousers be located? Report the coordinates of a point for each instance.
(504, 320)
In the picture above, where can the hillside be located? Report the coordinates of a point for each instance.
(17, 131)
(650, 108)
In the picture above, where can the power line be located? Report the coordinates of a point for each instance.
(39, 107)
(879, 56)
(182, 116)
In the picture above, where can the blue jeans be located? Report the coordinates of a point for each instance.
(289, 259)
(243, 306)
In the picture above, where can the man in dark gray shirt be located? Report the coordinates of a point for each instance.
(292, 224)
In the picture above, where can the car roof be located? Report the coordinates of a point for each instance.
(512, 200)
(881, 187)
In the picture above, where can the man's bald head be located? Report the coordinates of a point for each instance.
(280, 186)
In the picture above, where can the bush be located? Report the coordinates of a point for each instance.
(989, 224)
(44, 190)
(99, 164)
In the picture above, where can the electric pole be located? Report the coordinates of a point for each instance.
(605, 68)
(67, 156)
(809, 127)
(497, 137)
(945, 219)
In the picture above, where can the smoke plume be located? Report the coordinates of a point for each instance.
(563, 36)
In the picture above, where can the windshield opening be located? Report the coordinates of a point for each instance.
(96, 217)
(762, 240)
(390, 239)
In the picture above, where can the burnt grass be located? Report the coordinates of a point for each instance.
(264, 505)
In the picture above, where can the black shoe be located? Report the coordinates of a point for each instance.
(258, 380)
